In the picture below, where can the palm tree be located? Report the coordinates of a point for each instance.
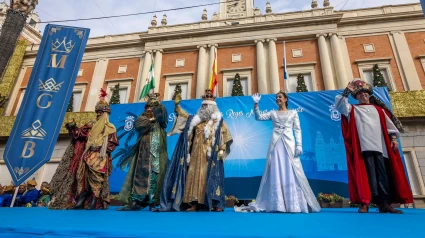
(124, 155)
(12, 27)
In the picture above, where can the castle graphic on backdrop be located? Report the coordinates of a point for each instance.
(330, 156)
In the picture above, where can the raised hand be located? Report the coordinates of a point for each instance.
(178, 98)
(256, 98)
(350, 86)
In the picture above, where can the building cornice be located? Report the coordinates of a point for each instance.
(276, 24)
(389, 17)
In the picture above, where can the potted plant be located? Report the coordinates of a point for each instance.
(231, 201)
(330, 200)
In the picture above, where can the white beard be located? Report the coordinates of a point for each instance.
(213, 115)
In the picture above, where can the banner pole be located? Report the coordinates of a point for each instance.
(14, 196)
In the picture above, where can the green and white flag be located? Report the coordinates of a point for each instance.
(150, 82)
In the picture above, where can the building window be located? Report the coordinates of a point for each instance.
(122, 69)
(179, 62)
(229, 77)
(78, 91)
(244, 83)
(172, 80)
(125, 89)
(307, 69)
(32, 23)
(414, 173)
(236, 58)
(368, 77)
(123, 95)
(297, 53)
(21, 98)
(171, 88)
(369, 48)
(293, 82)
(78, 98)
(366, 70)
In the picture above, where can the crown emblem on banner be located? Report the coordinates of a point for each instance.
(50, 85)
(63, 46)
(34, 132)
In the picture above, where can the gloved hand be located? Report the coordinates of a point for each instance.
(178, 99)
(188, 159)
(256, 98)
(221, 155)
(298, 151)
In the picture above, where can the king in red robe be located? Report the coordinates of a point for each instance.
(375, 169)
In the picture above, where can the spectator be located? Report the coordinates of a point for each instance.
(44, 200)
(7, 196)
(29, 198)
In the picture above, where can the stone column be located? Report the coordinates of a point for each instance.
(157, 68)
(213, 49)
(274, 86)
(339, 61)
(346, 56)
(261, 68)
(147, 61)
(96, 84)
(201, 80)
(406, 62)
(325, 61)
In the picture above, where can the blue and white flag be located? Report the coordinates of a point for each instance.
(285, 71)
(423, 5)
(40, 117)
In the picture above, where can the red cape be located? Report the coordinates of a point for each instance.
(358, 183)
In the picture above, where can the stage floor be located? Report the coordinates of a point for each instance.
(40, 222)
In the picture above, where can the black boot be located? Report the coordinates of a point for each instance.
(387, 208)
(92, 203)
(81, 201)
(134, 206)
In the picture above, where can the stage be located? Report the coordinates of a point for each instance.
(346, 222)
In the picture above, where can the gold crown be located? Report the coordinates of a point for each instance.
(102, 106)
(63, 46)
(152, 99)
(361, 86)
(50, 85)
(208, 95)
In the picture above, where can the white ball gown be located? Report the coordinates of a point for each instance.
(284, 186)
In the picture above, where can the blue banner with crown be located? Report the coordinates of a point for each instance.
(44, 105)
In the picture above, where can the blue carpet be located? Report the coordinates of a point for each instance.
(40, 222)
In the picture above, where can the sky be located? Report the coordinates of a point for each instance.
(53, 10)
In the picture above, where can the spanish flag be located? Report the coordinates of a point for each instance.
(214, 80)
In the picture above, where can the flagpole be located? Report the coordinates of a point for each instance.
(215, 61)
(285, 73)
(14, 196)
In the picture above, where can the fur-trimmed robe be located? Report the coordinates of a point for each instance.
(202, 145)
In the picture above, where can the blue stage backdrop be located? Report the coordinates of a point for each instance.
(323, 159)
(43, 108)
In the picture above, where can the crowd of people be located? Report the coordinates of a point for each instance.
(27, 196)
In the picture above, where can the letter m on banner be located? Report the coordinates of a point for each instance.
(40, 117)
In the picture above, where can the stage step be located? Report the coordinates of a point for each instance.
(419, 201)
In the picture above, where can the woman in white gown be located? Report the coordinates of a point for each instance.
(284, 186)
